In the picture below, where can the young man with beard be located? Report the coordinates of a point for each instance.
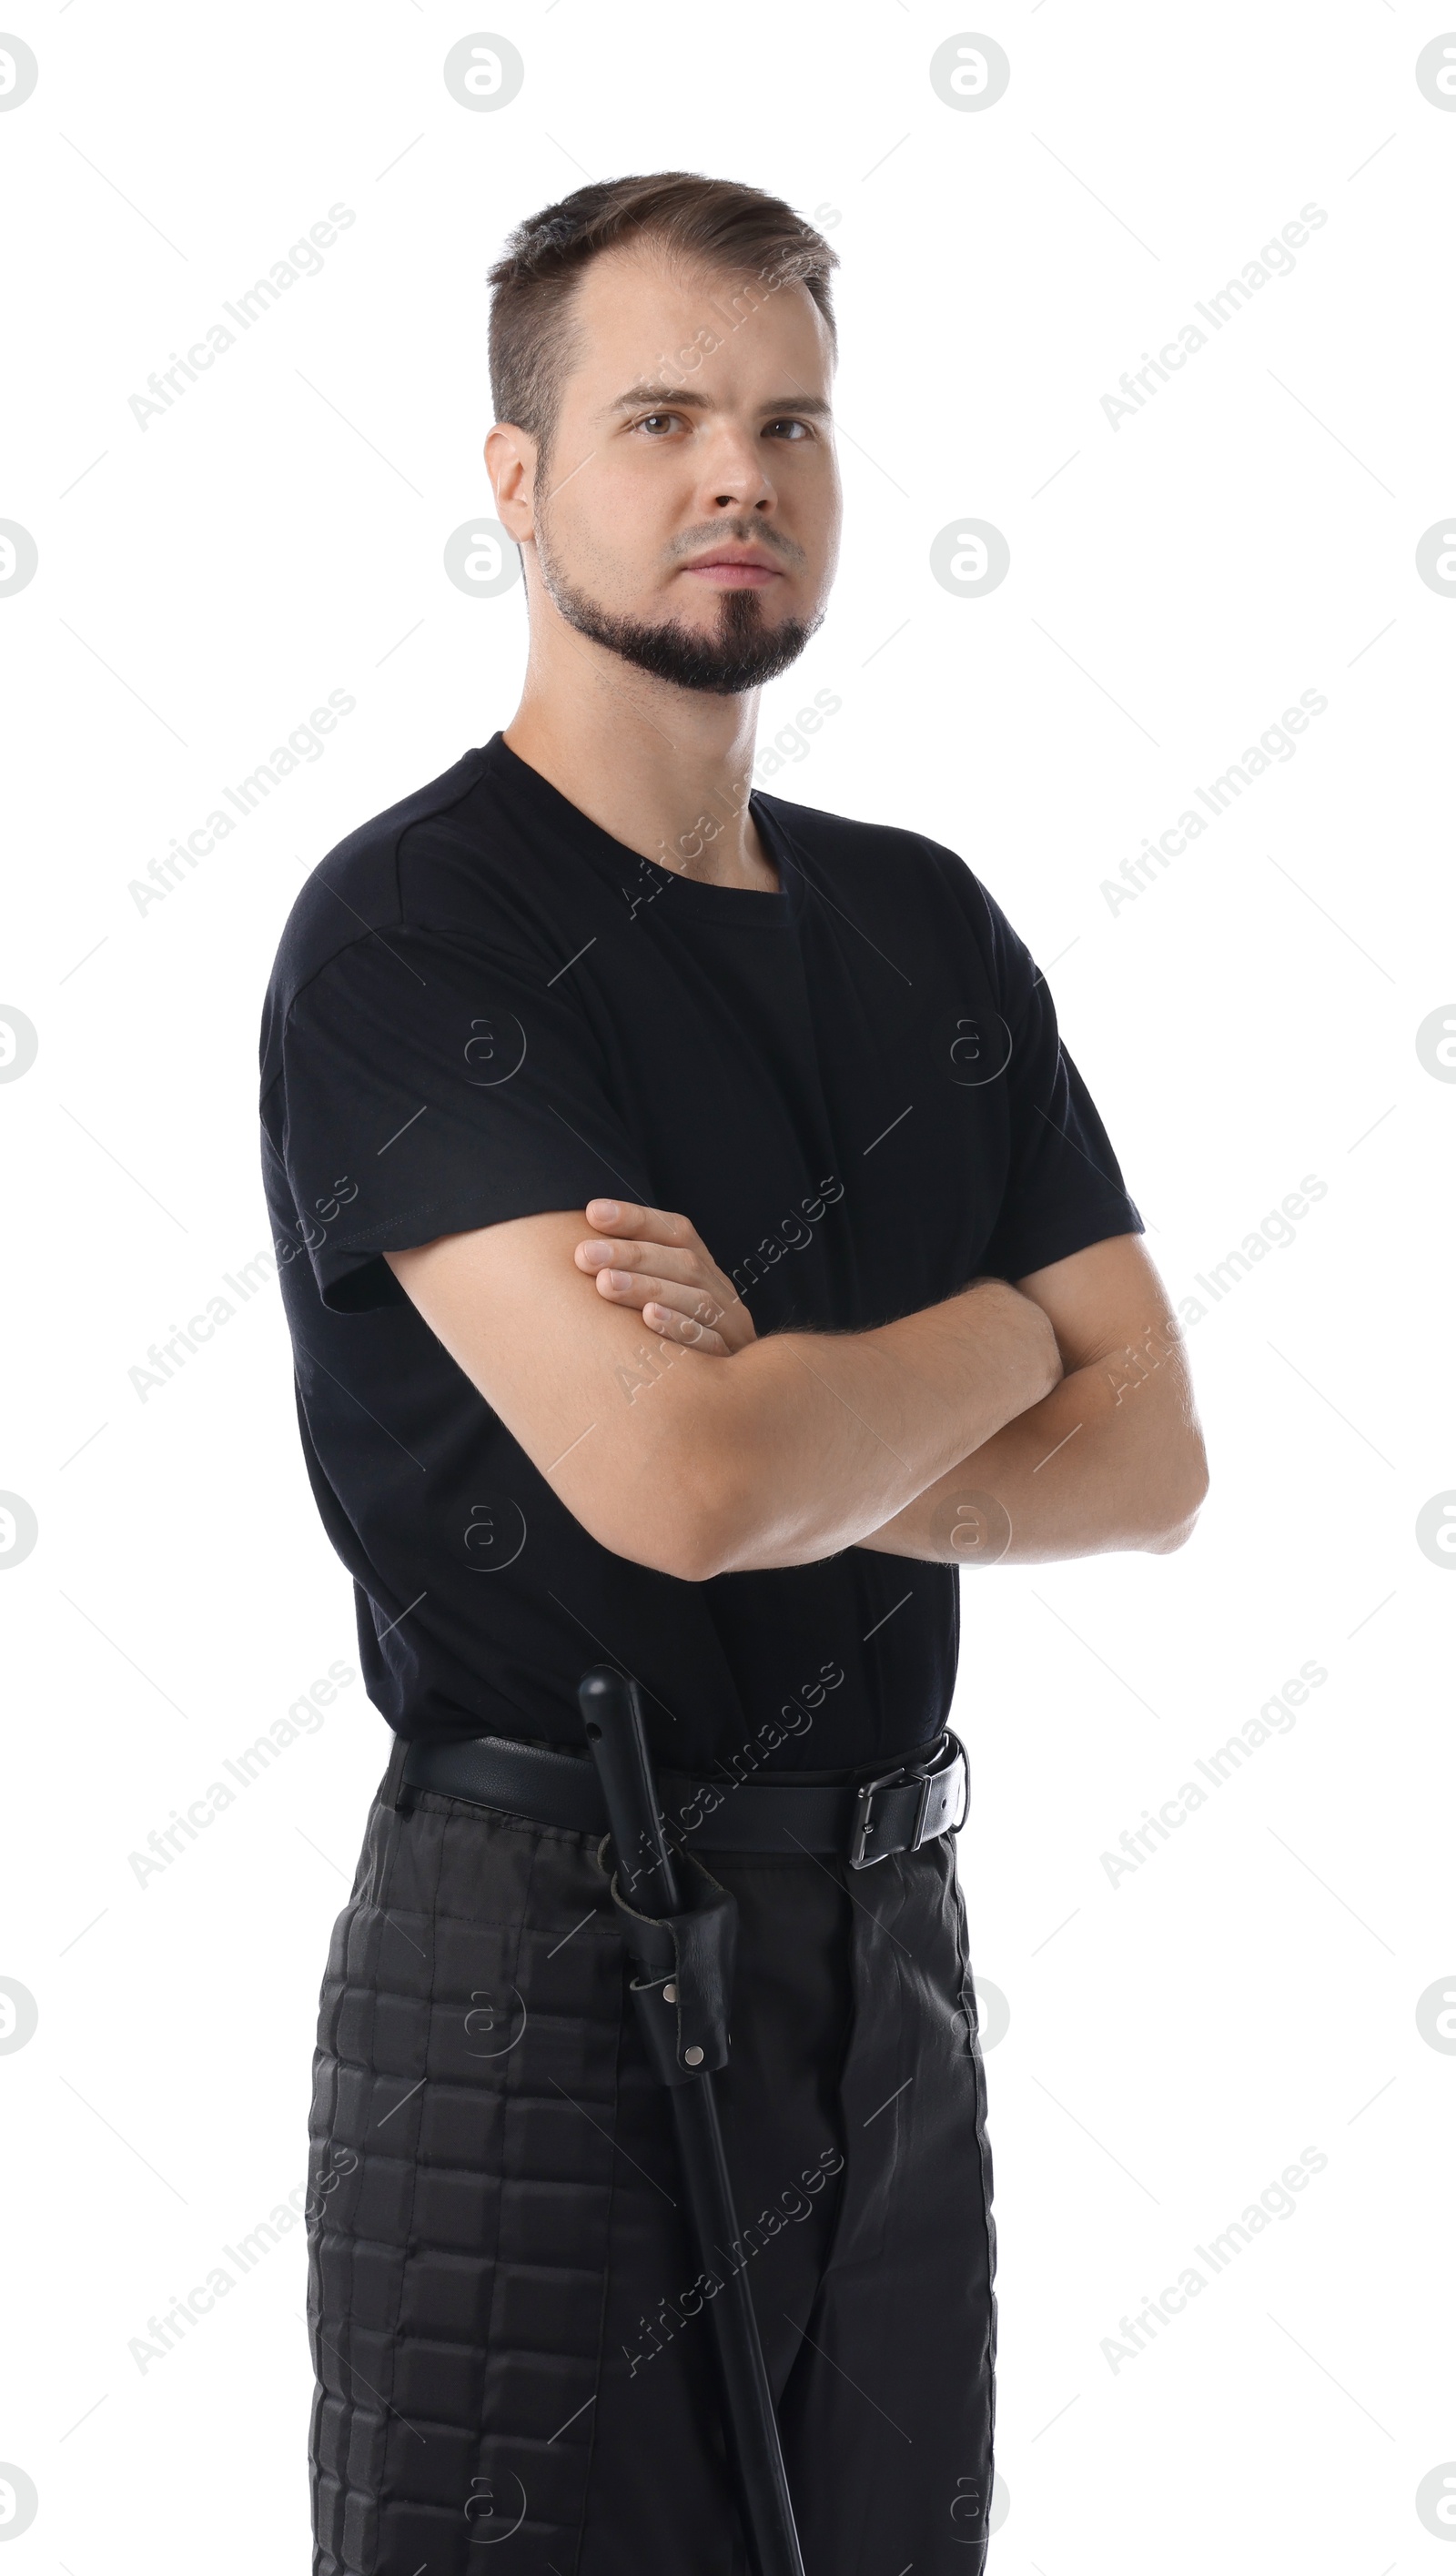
(696, 1245)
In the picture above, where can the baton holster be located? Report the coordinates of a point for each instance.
(682, 1959)
(683, 1971)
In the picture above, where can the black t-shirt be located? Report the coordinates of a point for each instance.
(484, 1007)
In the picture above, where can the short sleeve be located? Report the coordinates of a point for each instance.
(1064, 1186)
(430, 1085)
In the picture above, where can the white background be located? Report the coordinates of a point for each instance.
(1177, 2038)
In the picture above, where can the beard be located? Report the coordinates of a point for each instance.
(740, 654)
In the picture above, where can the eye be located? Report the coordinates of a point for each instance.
(798, 430)
(654, 422)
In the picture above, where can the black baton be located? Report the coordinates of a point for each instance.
(678, 1928)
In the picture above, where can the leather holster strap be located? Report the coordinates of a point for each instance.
(862, 1815)
(684, 1980)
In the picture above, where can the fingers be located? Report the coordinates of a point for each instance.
(670, 1326)
(663, 1260)
(680, 1302)
(651, 1225)
(657, 1261)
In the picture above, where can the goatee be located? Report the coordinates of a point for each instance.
(740, 654)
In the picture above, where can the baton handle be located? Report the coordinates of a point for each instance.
(612, 1708)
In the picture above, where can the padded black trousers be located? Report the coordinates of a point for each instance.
(508, 2322)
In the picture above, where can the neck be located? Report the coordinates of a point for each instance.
(666, 771)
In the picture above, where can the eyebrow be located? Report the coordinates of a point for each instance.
(687, 398)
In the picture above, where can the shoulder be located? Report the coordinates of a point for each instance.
(440, 867)
(358, 886)
(885, 861)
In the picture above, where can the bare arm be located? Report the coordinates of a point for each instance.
(784, 1451)
(1112, 1457)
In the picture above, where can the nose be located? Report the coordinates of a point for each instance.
(735, 476)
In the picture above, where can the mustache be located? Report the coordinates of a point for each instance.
(738, 532)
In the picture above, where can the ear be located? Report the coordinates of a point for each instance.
(510, 461)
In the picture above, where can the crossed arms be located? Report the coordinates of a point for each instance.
(1051, 1418)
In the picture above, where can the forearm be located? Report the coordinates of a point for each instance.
(813, 1441)
(793, 1447)
(1112, 1458)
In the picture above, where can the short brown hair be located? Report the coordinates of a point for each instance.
(718, 222)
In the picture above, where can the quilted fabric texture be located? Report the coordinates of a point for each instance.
(508, 2324)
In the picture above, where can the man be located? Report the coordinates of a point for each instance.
(696, 1245)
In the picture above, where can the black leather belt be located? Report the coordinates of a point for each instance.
(862, 1816)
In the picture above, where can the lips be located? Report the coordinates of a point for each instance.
(735, 568)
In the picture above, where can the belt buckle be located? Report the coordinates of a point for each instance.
(926, 1827)
(864, 1825)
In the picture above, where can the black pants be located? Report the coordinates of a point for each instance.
(506, 2318)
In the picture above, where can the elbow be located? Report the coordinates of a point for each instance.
(1167, 1541)
(712, 1526)
(707, 1486)
(683, 1544)
(1179, 1517)
(702, 1534)
(686, 1548)
(682, 1521)
(688, 1500)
